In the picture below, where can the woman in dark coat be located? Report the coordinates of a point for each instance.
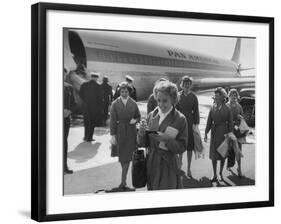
(124, 115)
(163, 171)
(220, 123)
(237, 112)
(188, 106)
(107, 97)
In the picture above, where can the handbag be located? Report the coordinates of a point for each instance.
(241, 130)
(198, 144)
(114, 151)
(139, 177)
(243, 127)
(223, 148)
(237, 132)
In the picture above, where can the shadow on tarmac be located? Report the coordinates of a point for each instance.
(241, 181)
(111, 173)
(84, 151)
(91, 180)
(193, 183)
(230, 180)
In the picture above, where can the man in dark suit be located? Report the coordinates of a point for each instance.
(68, 107)
(92, 105)
(132, 89)
(107, 97)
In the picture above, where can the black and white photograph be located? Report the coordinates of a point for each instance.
(145, 111)
(139, 112)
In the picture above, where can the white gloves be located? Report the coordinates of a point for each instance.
(133, 121)
(66, 113)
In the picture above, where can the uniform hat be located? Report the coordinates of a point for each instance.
(105, 79)
(95, 74)
(125, 85)
(186, 78)
(221, 91)
(129, 78)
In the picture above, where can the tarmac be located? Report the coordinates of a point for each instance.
(95, 171)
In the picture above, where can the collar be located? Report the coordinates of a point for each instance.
(217, 107)
(233, 103)
(124, 100)
(66, 84)
(164, 114)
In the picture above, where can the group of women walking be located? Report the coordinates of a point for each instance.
(167, 132)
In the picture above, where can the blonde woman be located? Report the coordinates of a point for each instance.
(220, 123)
(124, 115)
(168, 140)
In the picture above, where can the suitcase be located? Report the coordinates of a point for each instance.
(139, 177)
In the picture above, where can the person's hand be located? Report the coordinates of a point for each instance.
(205, 138)
(143, 122)
(161, 137)
(143, 126)
(195, 127)
(87, 71)
(113, 140)
(133, 121)
(66, 113)
(240, 116)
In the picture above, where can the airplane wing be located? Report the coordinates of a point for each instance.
(211, 83)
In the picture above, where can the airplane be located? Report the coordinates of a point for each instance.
(116, 55)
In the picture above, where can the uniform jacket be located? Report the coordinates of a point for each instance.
(151, 103)
(188, 105)
(220, 122)
(68, 97)
(107, 93)
(92, 97)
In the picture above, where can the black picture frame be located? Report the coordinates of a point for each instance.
(39, 114)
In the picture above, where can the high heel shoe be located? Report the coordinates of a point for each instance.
(214, 179)
(220, 177)
(239, 173)
(189, 174)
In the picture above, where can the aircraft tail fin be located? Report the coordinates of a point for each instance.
(236, 53)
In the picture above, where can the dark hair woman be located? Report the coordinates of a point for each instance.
(188, 106)
(237, 112)
(124, 115)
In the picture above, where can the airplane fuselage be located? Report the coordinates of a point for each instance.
(115, 55)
